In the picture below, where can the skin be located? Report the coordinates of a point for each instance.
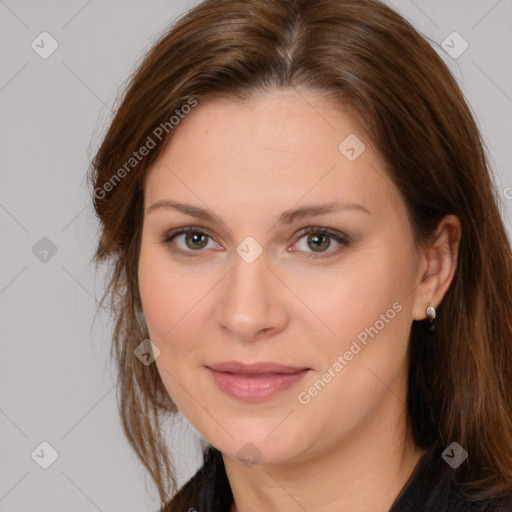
(349, 447)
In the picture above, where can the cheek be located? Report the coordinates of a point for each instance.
(167, 303)
(166, 298)
(159, 301)
(368, 290)
(368, 309)
(175, 305)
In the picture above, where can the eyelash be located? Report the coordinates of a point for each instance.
(338, 237)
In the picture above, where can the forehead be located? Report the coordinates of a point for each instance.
(284, 121)
(272, 149)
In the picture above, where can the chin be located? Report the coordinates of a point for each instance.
(257, 449)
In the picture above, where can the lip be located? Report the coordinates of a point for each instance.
(254, 368)
(256, 381)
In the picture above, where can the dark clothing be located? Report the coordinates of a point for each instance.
(425, 492)
(430, 488)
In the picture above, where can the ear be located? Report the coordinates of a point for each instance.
(437, 266)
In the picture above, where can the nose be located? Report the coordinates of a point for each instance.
(251, 303)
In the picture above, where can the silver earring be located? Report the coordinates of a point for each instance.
(431, 314)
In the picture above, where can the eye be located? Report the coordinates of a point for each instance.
(320, 240)
(194, 240)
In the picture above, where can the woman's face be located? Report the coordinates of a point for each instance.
(257, 281)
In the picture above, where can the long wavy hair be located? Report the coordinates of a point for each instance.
(363, 54)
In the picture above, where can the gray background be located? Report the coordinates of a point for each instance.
(56, 384)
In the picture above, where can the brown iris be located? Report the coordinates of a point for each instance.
(196, 239)
(316, 238)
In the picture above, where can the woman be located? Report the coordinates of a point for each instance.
(296, 205)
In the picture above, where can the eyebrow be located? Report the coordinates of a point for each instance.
(286, 217)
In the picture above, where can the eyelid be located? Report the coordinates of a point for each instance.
(186, 229)
(168, 237)
(342, 239)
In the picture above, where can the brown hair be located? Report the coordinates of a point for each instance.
(365, 55)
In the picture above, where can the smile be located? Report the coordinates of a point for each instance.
(256, 382)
